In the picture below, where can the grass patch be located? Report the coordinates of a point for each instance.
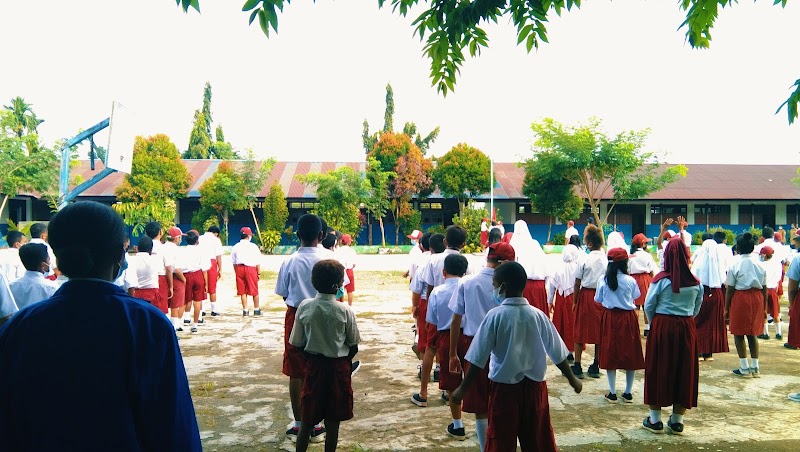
(268, 274)
(207, 415)
(203, 389)
(370, 315)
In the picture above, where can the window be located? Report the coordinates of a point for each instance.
(712, 214)
(523, 208)
(660, 212)
(430, 206)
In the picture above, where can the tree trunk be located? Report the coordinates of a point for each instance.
(225, 222)
(255, 220)
(397, 225)
(549, 230)
(369, 225)
(383, 232)
(3, 206)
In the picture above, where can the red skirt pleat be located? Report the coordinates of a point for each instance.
(587, 318)
(643, 281)
(620, 346)
(773, 304)
(793, 337)
(536, 294)
(712, 333)
(564, 319)
(671, 370)
(747, 313)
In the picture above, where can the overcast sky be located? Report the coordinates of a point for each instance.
(303, 94)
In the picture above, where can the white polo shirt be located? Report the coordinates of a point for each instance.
(432, 271)
(32, 288)
(11, 265)
(8, 305)
(246, 253)
(347, 256)
(592, 269)
(174, 257)
(473, 298)
(212, 245)
(517, 337)
(642, 262)
(145, 266)
(747, 273)
(773, 269)
(622, 298)
(158, 250)
(294, 276)
(439, 312)
(570, 232)
(195, 258)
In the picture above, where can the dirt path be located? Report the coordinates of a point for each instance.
(242, 403)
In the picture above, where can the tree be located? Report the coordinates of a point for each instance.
(21, 118)
(595, 163)
(221, 149)
(550, 192)
(207, 107)
(223, 192)
(339, 192)
(454, 26)
(462, 173)
(410, 128)
(413, 178)
(199, 139)
(253, 175)
(376, 200)
(276, 213)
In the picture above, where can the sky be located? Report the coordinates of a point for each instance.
(302, 95)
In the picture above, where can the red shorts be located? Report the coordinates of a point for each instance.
(587, 318)
(422, 326)
(178, 299)
(476, 399)
(246, 280)
(447, 380)
(519, 411)
(213, 275)
(747, 313)
(294, 363)
(671, 372)
(163, 291)
(151, 296)
(350, 288)
(327, 390)
(773, 304)
(195, 286)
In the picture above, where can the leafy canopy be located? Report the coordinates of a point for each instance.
(550, 192)
(276, 213)
(157, 172)
(462, 173)
(340, 193)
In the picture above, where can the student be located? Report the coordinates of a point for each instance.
(562, 289)
(571, 231)
(196, 265)
(620, 346)
(793, 335)
(246, 258)
(774, 269)
(616, 240)
(175, 261)
(440, 316)
(38, 233)
(145, 266)
(347, 256)
(532, 258)
(587, 312)
(746, 301)
(725, 254)
(473, 299)
(326, 332)
(455, 238)
(33, 287)
(484, 233)
(165, 275)
(8, 306)
(708, 268)
(10, 263)
(663, 238)
(294, 284)
(415, 252)
(642, 268)
(417, 293)
(93, 355)
(126, 279)
(671, 370)
(213, 245)
(516, 337)
(426, 344)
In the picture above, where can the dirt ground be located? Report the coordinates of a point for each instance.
(242, 402)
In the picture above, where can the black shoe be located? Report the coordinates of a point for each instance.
(185, 321)
(789, 346)
(779, 336)
(657, 428)
(418, 400)
(203, 314)
(214, 314)
(179, 329)
(435, 375)
(292, 433)
(457, 433)
(570, 359)
(445, 398)
(201, 321)
(627, 398)
(355, 366)
(577, 370)
(257, 312)
(610, 398)
(675, 428)
(318, 435)
(245, 313)
(593, 371)
(763, 336)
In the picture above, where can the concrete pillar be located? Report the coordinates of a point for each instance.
(734, 213)
(690, 212)
(780, 213)
(647, 216)
(29, 209)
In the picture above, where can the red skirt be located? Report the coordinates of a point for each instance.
(671, 372)
(780, 283)
(587, 318)
(213, 276)
(773, 304)
(620, 346)
(564, 319)
(327, 390)
(712, 333)
(448, 381)
(536, 294)
(643, 281)
(350, 288)
(793, 337)
(246, 280)
(519, 411)
(178, 299)
(476, 399)
(422, 325)
(484, 238)
(747, 313)
(294, 363)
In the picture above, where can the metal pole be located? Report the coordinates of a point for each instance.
(63, 185)
(491, 189)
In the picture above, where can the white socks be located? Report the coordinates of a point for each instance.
(766, 329)
(629, 376)
(213, 307)
(612, 380)
(480, 430)
(655, 416)
(176, 322)
(743, 364)
(677, 418)
(755, 363)
(457, 423)
(646, 326)
(778, 327)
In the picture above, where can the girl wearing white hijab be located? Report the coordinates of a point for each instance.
(616, 240)
(532, 257)
(562, 288)
(712, 334)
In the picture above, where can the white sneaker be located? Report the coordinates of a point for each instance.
(795, 396)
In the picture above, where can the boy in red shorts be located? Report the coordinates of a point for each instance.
(517, 336)
(326, 332)
(195, 271)
(246, 258)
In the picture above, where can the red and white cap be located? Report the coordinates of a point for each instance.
(246, 230)
(175, 232)
(416, 234)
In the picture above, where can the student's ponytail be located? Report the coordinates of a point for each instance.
(612, 273)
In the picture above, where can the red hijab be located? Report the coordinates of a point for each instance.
(507, 238)
(676, 266)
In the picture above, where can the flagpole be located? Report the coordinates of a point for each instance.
(491, 189)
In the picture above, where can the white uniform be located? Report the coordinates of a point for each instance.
(294, 276)
(8, 305)
(145, 266)
(212, 245)
(10, 264)
(32, 288)
(246, 253)
(347, 256)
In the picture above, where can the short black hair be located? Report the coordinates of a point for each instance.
(513, 275)
(37, 229)
(707, 236)
(767, 232)
(425, 241)
(14, 237)
(145, 244)
(456, 236)
(308, 227)
(720, 237)
(329, 241)
(495, 235)
(213, 229)
(152, 229)
(192, 237)
(32, 255)
(745, 244)
(455, 264)
(437, 243)
(575, 240)
(327, 275)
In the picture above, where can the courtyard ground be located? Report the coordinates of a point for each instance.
(242, 402)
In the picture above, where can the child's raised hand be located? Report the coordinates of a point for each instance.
(667, 223)
(455, 365)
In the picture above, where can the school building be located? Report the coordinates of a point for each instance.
(735, 197)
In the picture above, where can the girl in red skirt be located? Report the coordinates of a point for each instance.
(708, 266)
(642, 268)
(532, 257)
(671, 370)
(620, 346)
(746, 303)
(793, 273)
(562, 287)
(587, 312)
(774, 269)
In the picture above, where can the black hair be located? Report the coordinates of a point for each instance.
(192, 237)
(243, 236)
(707, 236)
(634, 247)
(611, 273)
(437, 243)
(308, 228)
(329, 241)
(32, 255)
(575, 240)
(494, 223)
(327, 275)
(455, 264)
(513, 275)
(719, 237)
(425, 241)
(213, 229)
(767, 232)
(495, 235)
(745, 244)
(37, 229)
(81, 255)
(456, 236)
(145, 245)
(593, 237)
(152, 229)
(14, 237)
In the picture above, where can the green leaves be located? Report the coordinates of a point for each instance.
(791, 103)
(462, 173)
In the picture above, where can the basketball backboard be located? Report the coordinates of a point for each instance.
(121, 137)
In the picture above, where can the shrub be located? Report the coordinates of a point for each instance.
(269, 240)
(472, 248)
(470, 219)
(558, 238)
(436, 229)
(730, 236)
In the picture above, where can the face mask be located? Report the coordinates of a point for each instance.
(340, 292)
(123, 266)
(414, 243)
(499, 296)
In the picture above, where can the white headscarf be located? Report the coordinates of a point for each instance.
(529, 253)
(615, 240)
(707, 265)
(564, 278)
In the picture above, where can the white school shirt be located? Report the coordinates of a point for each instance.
(622, 298)
(725, 255)
(212, 245)
(516, 336)
(747, 273)
(8, 305)
(686, 237)
(158, 250)
(774, 270)
(174, 257)
(414, 256)
(570, 232)
(294, 276)
(439, 312)
(11, 265)
(329, 254)
(195, 258)
(32, 288)
(53, 263)
(592, 269)
(417, 285)
(642, 262)
(246, 253)
(146, 269)
(473, 298)
(347, 256)
(432, 271)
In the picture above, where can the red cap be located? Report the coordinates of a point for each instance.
(617, 255)
(570, 223)
(669, 234)
(501, 251)
(246, 230)
(766, 251)
(415, 235)
(640, 239)
(347, 239)
(778, 237)
(175, 232)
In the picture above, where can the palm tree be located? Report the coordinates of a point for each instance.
(22, 120)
